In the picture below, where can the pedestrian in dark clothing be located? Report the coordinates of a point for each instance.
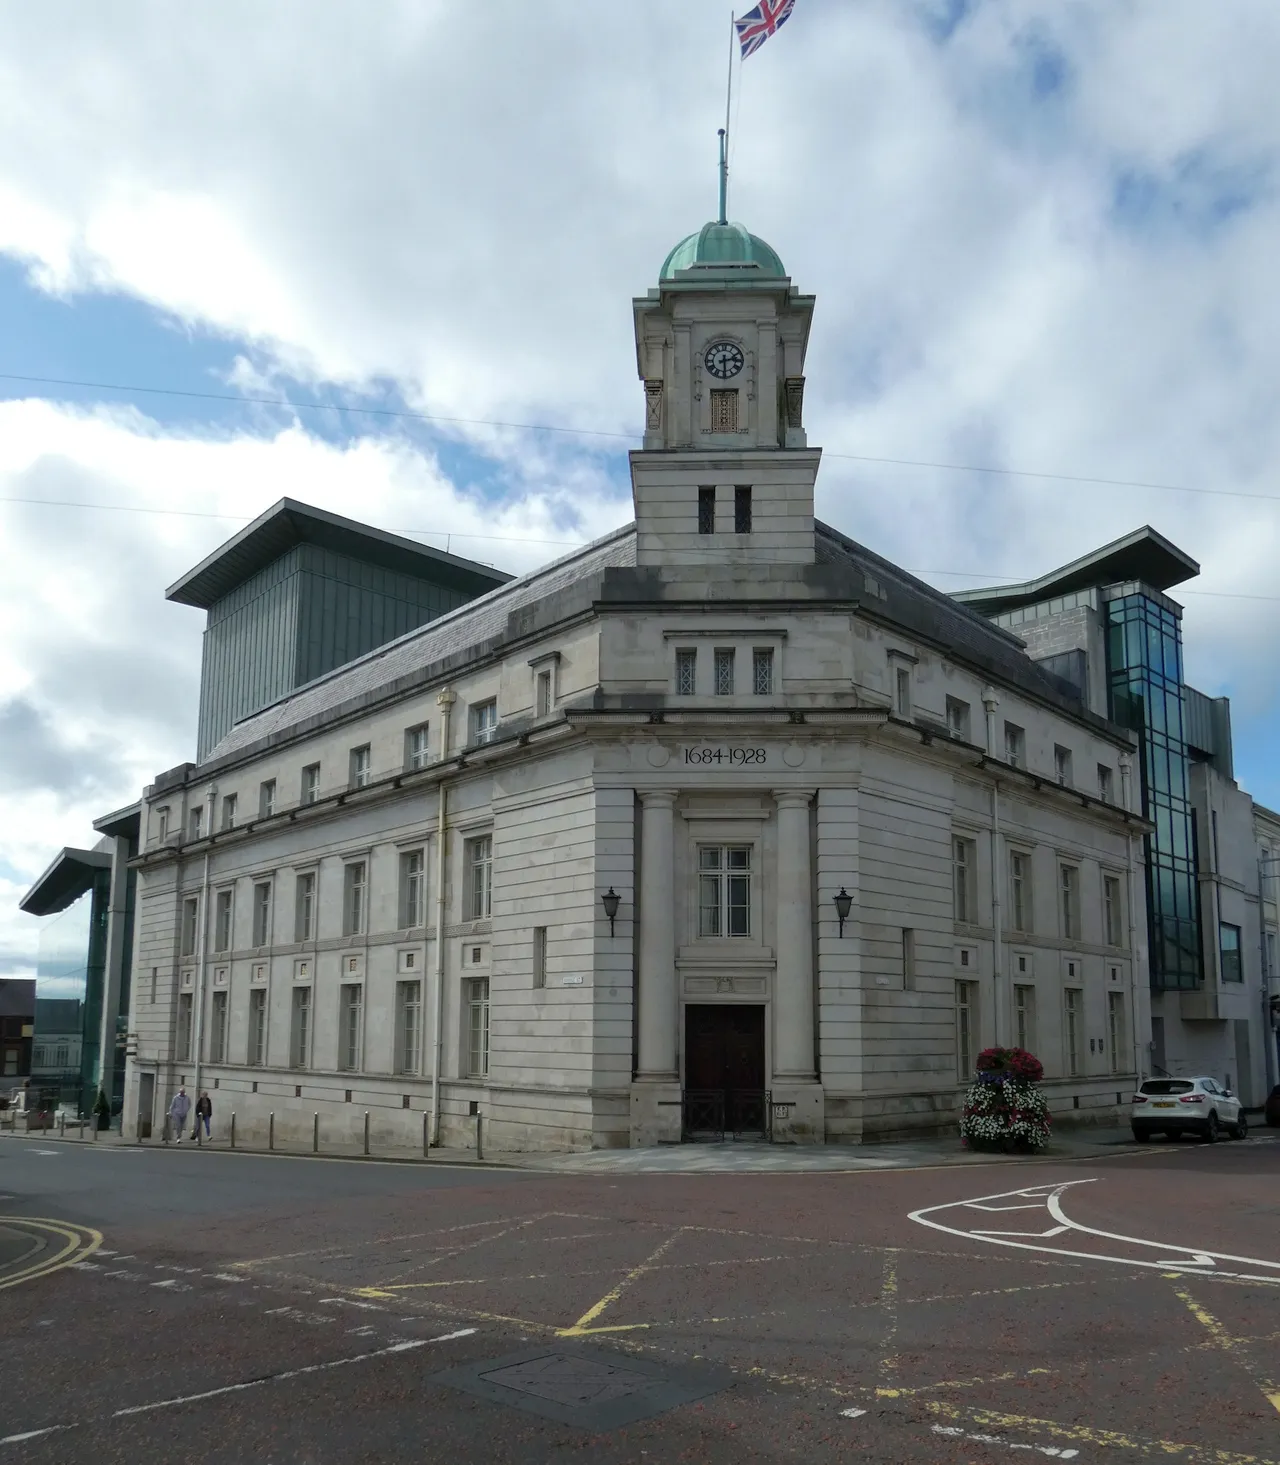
(204, 1113)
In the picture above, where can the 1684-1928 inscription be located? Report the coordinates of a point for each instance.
(734, 757)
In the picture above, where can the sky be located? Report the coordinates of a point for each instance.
(1042, 238)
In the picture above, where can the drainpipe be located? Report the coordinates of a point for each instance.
(1126, 791)
(202, 943)
(445, 702)
(990, 702)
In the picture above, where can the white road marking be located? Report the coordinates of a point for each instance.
(1190, 1259)
(991, 1439)
(853, 1413)
(44, 1152)
(228, 1277)
(33, 1434)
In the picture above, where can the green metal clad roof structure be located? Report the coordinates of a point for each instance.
(723, 246)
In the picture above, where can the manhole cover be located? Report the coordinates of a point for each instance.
(584, 1386)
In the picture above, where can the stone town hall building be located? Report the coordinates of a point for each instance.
(720, 823)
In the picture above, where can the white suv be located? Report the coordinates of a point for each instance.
(1173, 1106)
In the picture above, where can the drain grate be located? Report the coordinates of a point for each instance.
(584, 1386)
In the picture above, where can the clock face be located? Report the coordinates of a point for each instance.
(724, 359)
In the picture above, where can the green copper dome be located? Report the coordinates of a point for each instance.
(723, 246)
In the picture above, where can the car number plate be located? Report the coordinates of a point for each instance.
(1165, 1104)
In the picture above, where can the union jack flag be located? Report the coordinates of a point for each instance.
(757, 25)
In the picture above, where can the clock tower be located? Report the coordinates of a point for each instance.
(726, 475)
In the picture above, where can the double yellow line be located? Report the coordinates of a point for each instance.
(78, 1242)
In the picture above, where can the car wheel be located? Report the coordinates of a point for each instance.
(1139, 1135)
(1241, 1129)
(1212, 1129)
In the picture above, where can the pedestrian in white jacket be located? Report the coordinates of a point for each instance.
(179, 1108)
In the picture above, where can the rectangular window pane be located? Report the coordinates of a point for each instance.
(267, 799)
(1230, 947)
(724, 891)
(300, 1028)
(484, 721)
(412, 888)
(966, 1026)
(304, 929)
(724, 672)
(310, 783)
(218, 1029)
(1020, 890)
(902, 692)
(709, 905)
(185, 1014)
(222, 921)
(762, 672)
(408, 1025)
(478, 1028)
(229, 811)
(354, 903)
(261, 914)
(1105, 783)
(1117, 1034)
(418, 747)
(706, 511)
(686, 672)
(195, 823)
(962, 857)
(480, 878)
(257, 1027)
(1014, 744)
(360, 766)
(350, 1006)
(543, 697)
(724, 411)
(190, 917)
(742, 511)
(1024, 1017)
(539, 956)
(1070, 881)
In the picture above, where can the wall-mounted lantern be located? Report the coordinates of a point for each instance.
(844, 904)
(612, 900)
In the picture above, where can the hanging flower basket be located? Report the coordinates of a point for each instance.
(1004, 1109)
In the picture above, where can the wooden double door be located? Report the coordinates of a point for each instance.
(724, 1070)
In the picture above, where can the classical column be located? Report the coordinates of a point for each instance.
(793, 988)
(659, 1000)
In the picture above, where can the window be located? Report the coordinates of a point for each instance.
(1024, 1017)
(762, 671)
(305, 908)
(412, 888)
(1071, 1029)
(300, 1028)
(1270, 950)
(479, 858)
(908, 959)
(354, 883)
(350, 1008)
(218, 1029)
(902, 691)
(310, 783)
(262, 914)
(724, 890)
(484, 721)
(542, 694)
(408, 1026)
(966, 1028)
(1106, 784)
(183, 1047)
(195, 822)
(539, 956)
(267, 798)
(1015, 745)
(417, 747)
(229, 811)
(964, 881)
(706, 511)
(724, 671)
(1111, 910)
(724, 411)
(1069, 890)
(162, 823)
(190, 922)
(477, 1000)
(1229, 945)
(1117, 1033)
(257, 1054)
(958, 719)
(742, 511)
(361, 759)
(686, 671)
(222, 921)
(1062, 765)
(1019, 890)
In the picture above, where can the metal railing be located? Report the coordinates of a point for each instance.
(710, 1115)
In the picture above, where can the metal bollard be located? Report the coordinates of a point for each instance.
(233, 1129)
(315, 1134)
(426, 1135)
(271, 1130)
(62, 1125)
(479, 1148)
(366, 1131)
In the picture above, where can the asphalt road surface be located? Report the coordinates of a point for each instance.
(161, 1306)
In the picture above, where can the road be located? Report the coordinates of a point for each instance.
(211, 1307)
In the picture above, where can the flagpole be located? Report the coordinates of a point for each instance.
(724, 135)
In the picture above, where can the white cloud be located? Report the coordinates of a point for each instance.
(1045, 243)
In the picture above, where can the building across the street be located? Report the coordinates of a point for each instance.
(17, 1026)
(722, 824)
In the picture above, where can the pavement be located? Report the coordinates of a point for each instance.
(170, 1304)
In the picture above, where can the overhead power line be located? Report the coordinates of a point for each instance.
(391, 412)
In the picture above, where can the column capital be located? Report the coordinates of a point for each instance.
(793, 798)
(658, 796)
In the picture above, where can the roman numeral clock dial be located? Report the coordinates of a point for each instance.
(723, 359)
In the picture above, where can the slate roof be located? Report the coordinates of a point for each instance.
(457, 638)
